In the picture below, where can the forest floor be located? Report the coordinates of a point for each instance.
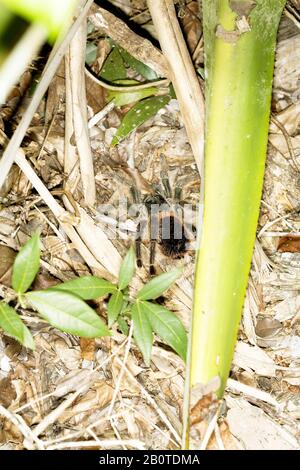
(73, 393)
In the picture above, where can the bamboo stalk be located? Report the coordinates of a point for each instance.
(239, 39)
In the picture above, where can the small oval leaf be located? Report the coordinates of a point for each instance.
(166, 325)
(114, 307)
(26, 264)
(159, 284)
(87, 287)
(138, 114)
(68, 313)
(127, 268)
(12, 324)
(142, 331)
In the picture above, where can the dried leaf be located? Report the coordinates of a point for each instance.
(87, 348)
(7, 257)
(289, 244)
(267, 327)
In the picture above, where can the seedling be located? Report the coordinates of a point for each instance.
(64, 305)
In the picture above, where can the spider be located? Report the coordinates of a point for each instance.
(161, 221)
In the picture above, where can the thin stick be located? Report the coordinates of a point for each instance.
(101, 114)
(55, 414)
(209, 431)
(71, 162)
(121, 373)
(235, 386)
(191, 104)
(79, 107)
(106, 443)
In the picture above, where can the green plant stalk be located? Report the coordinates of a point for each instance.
(238, 94)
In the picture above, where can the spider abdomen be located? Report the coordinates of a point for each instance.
(172, 237)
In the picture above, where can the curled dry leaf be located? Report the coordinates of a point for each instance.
(267, 327)
(191, 24)
(7, 258)
(7, 391)
(87, 348)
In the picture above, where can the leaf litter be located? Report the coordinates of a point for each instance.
(64, 389)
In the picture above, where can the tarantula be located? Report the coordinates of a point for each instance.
(161, 215)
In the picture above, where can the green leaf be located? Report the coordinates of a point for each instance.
(90, 53)
(166, 325)
(142, 331)
(137, 65)
(123, 325)
(12, 324)
(121, 98)
(87, 287)
(127, 268)
(113, 67)
(114, 307)
(159, 284)
(172, 92)
(138, 114)
(68, 313)
(201, 72)
(26, 264)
